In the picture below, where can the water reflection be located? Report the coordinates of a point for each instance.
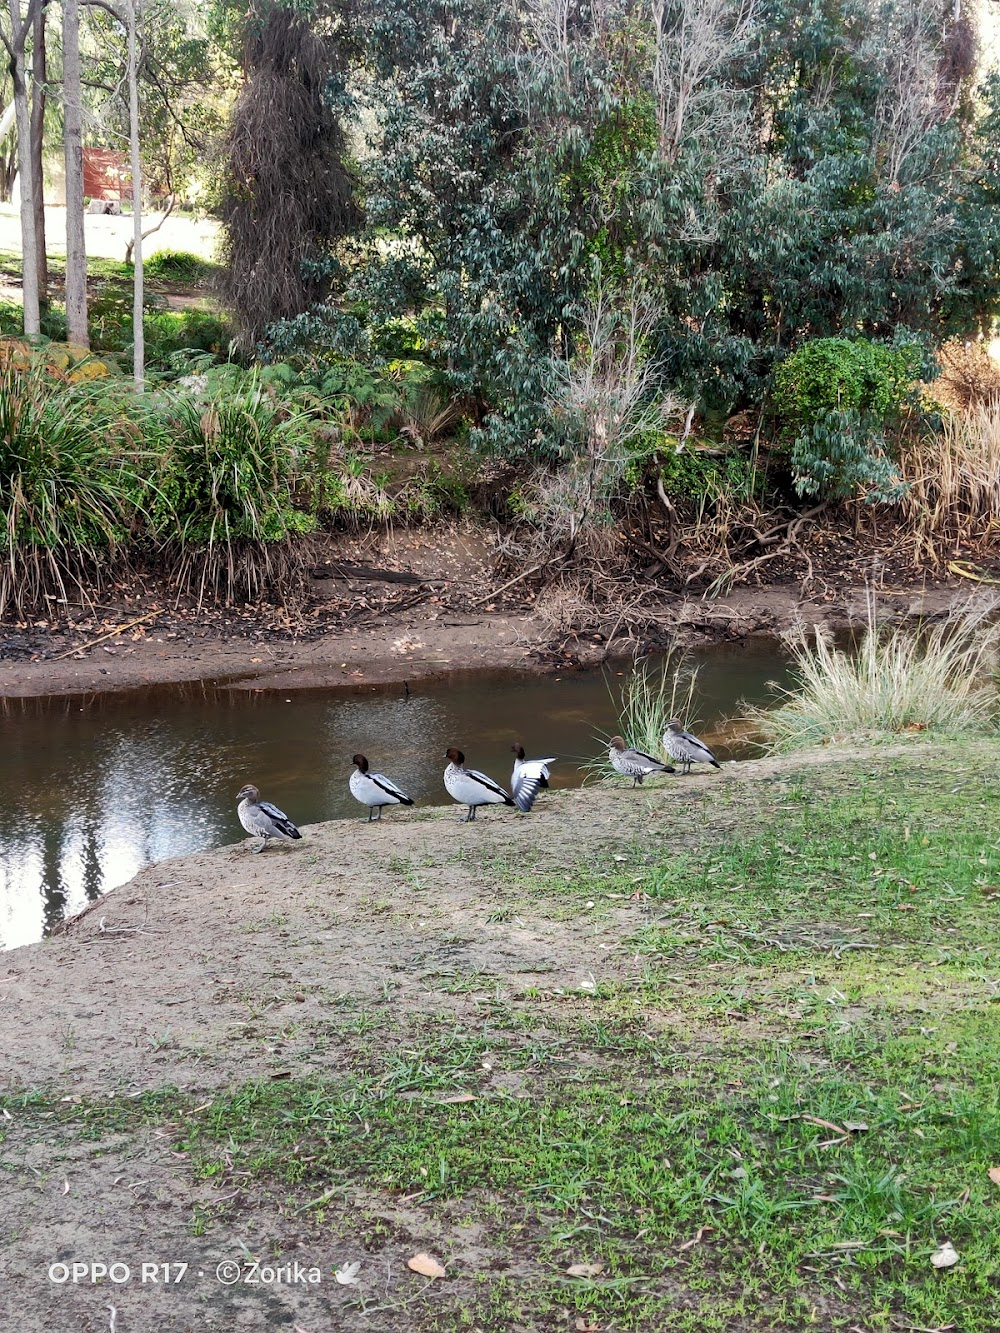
(94, 787)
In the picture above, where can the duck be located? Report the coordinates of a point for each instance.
(528, 778)
(263, 820)
(470, 787)
(685, 748)
(374, 789)
(634, 764)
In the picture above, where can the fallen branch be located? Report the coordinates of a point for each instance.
(509, 584)
(112, 633)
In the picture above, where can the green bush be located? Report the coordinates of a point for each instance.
(697, 475)
(176, 266)
(171, 331)
(835, 398)
(233, 469)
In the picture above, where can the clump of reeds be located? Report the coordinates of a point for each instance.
(644, 703)
(902, 680)
(230, 512)
(953, 482)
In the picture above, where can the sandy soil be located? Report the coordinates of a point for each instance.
(356, 628)
(215, 970)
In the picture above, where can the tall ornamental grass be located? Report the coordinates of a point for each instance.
(953, 483)
(67, 496)
(227, 508)
(902, 680)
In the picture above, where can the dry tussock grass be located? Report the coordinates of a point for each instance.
(953, 483)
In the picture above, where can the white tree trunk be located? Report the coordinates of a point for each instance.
(138, 333)
(29, 244)
(76, 247)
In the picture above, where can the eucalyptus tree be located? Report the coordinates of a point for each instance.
(76, 245)
(21, 22)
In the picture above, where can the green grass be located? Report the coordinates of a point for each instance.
(771, 1120)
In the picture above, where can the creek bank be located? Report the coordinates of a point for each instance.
(393, 646)
(174, 1078)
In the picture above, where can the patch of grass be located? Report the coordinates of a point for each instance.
(176, 266)
(899, 681)
(750, 1123)
(644, 703)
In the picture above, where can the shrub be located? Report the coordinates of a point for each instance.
(176, 266)
(65, 498)
(898, 681)
(171, 331)
(835, 398)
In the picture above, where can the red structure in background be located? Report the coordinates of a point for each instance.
(105, 175)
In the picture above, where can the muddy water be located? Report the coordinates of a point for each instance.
(94, 787)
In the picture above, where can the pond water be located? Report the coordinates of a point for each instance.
(94, 787)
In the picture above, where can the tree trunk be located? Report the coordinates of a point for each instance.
(76, 247)
(138, 333)
(39, 75)
(29, 247)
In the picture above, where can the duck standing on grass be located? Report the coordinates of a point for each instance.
(633, 763)
(528, 778)
(262, 819)
(470, 787)
(685, 748)
(374, 789)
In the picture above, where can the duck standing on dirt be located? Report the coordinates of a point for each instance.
(528, 778)
(685, 748)
(633, 763)
(374, 789)
(262, 819)
(470, 787)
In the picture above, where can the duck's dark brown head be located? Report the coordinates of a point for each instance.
(454, 756)
(361, 762)
(617, 743)
(518, 750)
(248, 793)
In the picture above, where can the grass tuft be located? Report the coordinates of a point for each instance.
(899, 681)
(644, 703)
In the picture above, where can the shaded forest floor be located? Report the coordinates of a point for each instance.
(719, 1054)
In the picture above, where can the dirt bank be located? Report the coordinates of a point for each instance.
(402, 609)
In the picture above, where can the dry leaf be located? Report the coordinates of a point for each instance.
(585, 1326)
(65, 1188)
(426, 1265)
(855, 1126)
(585, 1270)
(453, 1098)
(945, 1257)
(347, 1274)
(994, 1174)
